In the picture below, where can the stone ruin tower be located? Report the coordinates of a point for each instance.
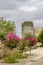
(27, 28)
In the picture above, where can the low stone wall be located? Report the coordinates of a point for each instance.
(1, 50)
(4, 50)
(8, 52)
(1, 53)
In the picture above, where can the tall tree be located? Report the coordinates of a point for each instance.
(6, 26)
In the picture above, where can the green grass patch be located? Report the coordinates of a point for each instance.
(19, 56)
(10, 59)
(14, 58)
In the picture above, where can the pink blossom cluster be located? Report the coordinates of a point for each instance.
(12, 36)
(32, 40)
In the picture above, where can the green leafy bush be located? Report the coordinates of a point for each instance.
(10, 59)
(19, 56)
(2, 36)
(13, 58)
(29, 35)
(6, 26)
(22, 45)
(40, 37)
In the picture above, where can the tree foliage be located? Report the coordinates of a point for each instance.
(40, 37)
(5, 27)
(29, 35)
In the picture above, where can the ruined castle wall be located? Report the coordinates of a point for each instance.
(27, 28)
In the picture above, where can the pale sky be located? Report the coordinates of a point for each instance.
(22, 10)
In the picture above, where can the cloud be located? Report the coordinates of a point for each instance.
(21, 10)
(9, 4)
(9, 14)
(27, 9)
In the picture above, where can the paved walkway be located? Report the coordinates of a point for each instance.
(38, 51)
(37, 60)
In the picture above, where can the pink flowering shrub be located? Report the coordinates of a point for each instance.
(12, 36)
(12, 40)
(31, 41)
